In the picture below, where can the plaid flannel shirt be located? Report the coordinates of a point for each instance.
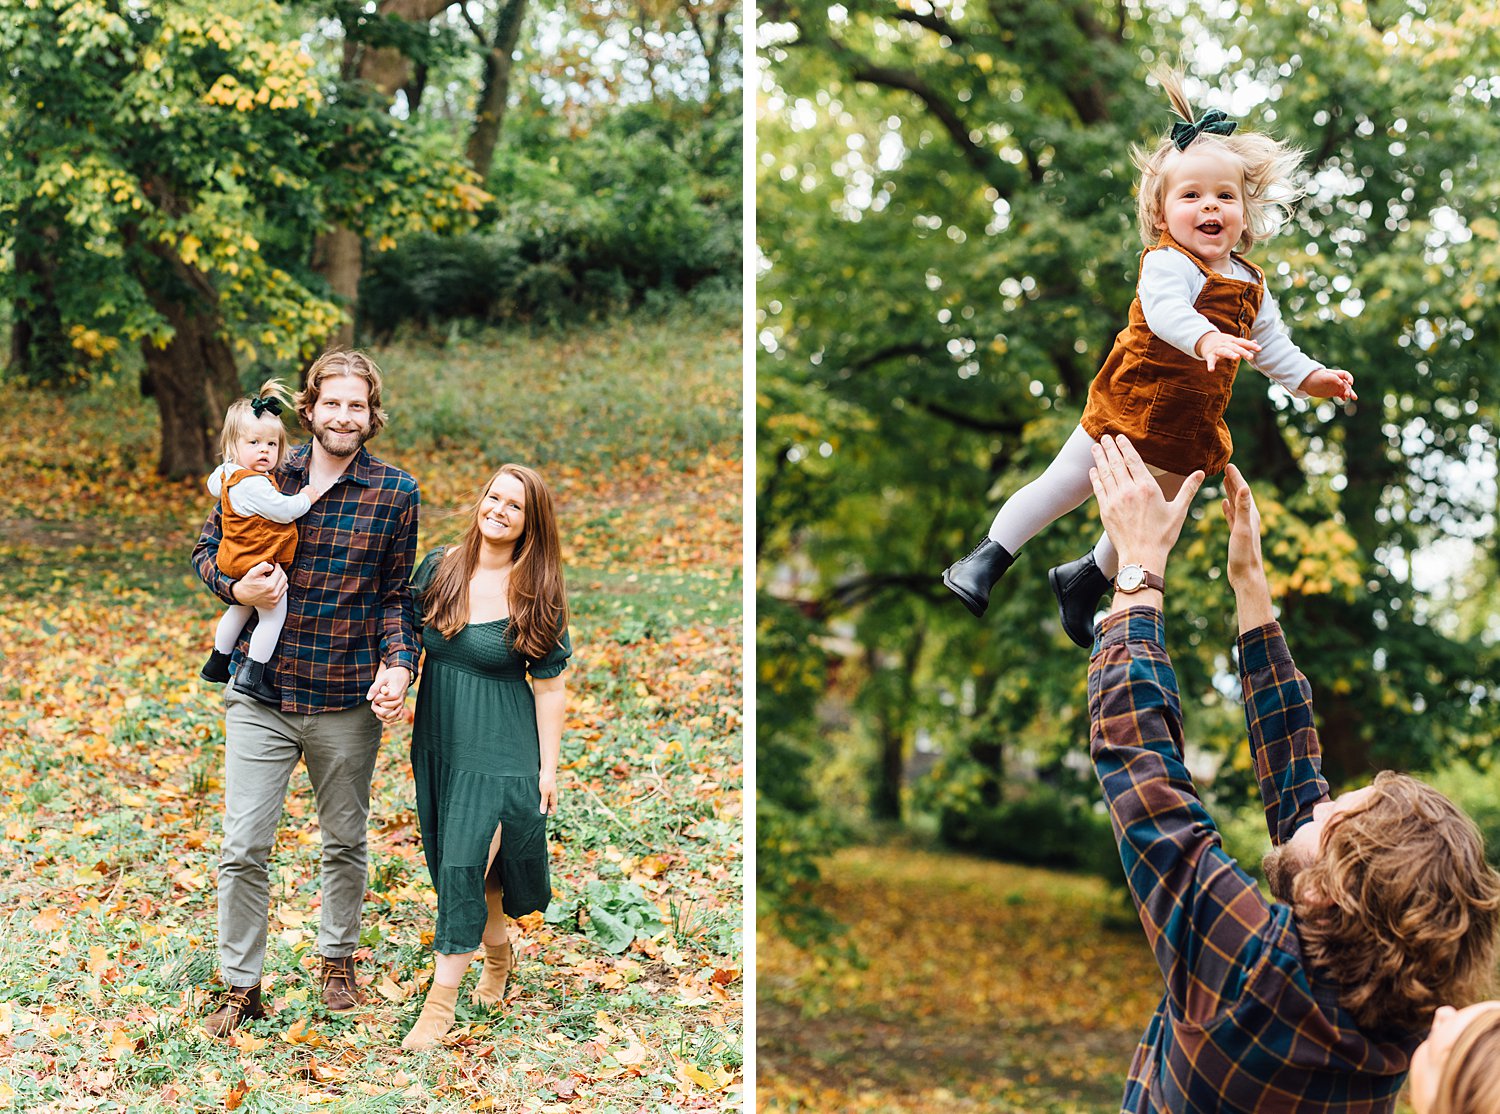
(1244, 1025)
(349, 607)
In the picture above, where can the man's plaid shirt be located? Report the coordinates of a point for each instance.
(349, 606)
(1243, 1026)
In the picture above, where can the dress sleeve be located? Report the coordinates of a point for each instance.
(421, 580)
(554, 661)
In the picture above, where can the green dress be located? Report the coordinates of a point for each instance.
(476, 759)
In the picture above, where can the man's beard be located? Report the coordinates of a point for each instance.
(341, 444)
(1281, 870)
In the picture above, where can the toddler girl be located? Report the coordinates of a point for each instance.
(257, 524)
(1200, 308)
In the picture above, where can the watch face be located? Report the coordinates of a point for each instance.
(1130, 578)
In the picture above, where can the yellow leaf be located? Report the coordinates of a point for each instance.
(392, 991)
(121, 1044)
(48, 920)
(98, 960)
(720, 1078)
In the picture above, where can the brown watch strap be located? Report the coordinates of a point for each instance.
(1149, 580)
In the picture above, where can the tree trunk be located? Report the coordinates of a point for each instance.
(338, 254)
(496, 95)
(193, 380)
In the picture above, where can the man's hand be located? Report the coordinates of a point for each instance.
(262, 586)
(1247, 569)
(1245, 562)
(1138, 519)
(387, 693)
(1213, 347)
(1330, 382)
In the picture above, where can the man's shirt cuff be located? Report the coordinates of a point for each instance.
(1134, 624)
(1262, 648)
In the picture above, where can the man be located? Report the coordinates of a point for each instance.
(346, 656)
(1315, 1005)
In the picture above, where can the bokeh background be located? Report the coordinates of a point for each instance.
(947, 246)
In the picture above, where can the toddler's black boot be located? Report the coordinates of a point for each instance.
(255, 684)
(216, 668)
(1079, 586)
(972, 578)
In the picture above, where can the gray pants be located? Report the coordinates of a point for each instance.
(262, 748)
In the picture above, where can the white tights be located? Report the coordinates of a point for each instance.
(1063, 487)
(263, 638)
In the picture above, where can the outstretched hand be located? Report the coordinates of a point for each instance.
(1246, 568)
(1245, 562)
(1217, 347)
(1140, 521)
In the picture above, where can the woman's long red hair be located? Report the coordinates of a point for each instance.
(538, 599)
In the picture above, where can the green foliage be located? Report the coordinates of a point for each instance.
(618, 913)
(1038, 824)
(647, 201)
(1476, 790)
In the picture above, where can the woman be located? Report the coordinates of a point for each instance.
(485, 744)
(1456, 1070)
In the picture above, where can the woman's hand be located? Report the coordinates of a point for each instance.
(547, 783)
(1330, 382)
(1215, 346)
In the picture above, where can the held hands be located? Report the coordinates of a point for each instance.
(1138, 519)
(1330, 382)
(387, 695)
(1216, 346)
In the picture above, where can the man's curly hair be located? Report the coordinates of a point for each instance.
(1400, 909)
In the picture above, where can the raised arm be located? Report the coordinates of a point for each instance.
(1278, 699)
(1204, 917)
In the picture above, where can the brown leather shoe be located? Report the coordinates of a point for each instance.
(241, 1005)
(340, 992)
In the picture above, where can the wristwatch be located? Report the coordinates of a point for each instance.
(1132, 578)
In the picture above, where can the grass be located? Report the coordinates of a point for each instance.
(111, 758)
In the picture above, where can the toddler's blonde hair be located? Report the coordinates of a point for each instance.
(241, 413)
(1271, 168)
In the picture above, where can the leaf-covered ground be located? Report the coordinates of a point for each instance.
(111, 758)
(986, 987)
(989, 987)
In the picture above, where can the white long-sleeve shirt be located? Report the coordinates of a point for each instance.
(258, 496)
(1170, 284)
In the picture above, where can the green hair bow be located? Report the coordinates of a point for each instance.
(1213, 122)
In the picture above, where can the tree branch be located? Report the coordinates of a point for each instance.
(988, 165)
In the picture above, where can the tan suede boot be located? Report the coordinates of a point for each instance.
(499, 961)
(435, 1020)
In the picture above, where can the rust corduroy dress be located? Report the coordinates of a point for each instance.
(250, 539)
(1168, 403)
